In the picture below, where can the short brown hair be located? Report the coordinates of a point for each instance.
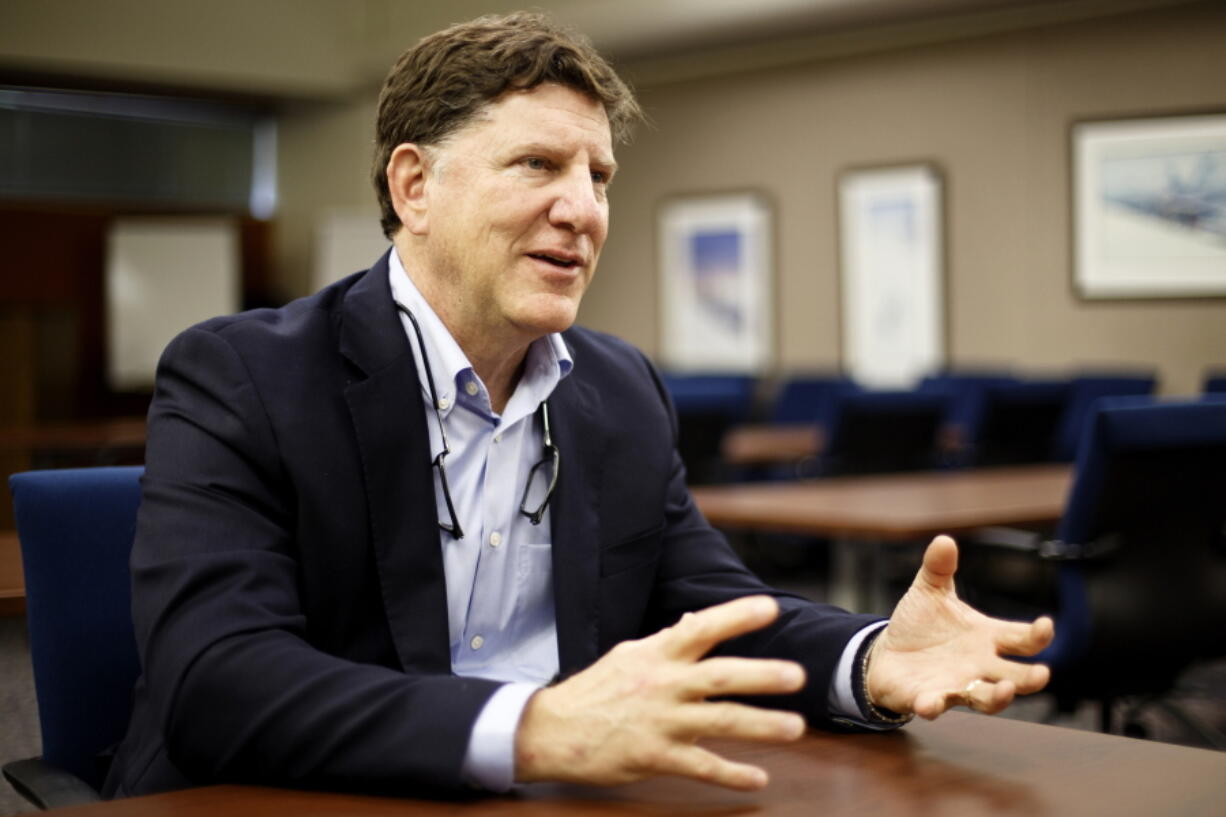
(440, 84)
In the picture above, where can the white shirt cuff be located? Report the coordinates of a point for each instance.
(842, 700)
(489, 762)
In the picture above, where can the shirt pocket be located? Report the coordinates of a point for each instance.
(535, 633)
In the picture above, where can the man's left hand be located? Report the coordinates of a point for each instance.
(938, 652)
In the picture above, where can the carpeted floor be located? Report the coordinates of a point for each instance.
(18, 709)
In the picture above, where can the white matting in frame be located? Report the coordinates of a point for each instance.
(892, 285)
(715, 283)
(1150, 207)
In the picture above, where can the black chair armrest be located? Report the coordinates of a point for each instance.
(1014, 539)
(48, 786)
(1055, 550)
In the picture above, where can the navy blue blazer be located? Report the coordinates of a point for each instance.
(288, 592)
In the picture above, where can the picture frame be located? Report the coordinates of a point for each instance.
(1149, 207)
(716, 274)
(892, 273)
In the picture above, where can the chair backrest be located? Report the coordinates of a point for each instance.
(1018, 422)
(727, 395)
(707, 406)
(810, 399)
(1084, 391)
(1215, 382)
(883, 431)
(1151, 485)
(76, 528)
(965, 391)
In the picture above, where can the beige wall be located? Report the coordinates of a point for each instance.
(994, 113)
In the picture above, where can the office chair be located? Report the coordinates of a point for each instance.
(809, 399)
(707, 405)
(1138, 564)
(875, 432)
(1215, 382)
(76, 528)
(1016, 423)
(965, 395)
(1084, 391)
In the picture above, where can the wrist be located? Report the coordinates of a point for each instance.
(873, 711)
(533, 741)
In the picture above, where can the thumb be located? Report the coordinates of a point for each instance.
(940, 564)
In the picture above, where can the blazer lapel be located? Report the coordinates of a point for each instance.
(575, 521)
(389, 421)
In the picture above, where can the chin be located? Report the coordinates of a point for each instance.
(548, 319)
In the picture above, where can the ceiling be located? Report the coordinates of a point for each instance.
(325, 49)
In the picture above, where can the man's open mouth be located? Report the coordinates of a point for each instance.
(561, 263)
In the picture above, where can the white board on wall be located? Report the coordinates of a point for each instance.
(162, 275)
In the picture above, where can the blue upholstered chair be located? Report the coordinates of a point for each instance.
(707, 405)
(1215, 382)
(1083, 392)
(883, 431)
(76, 528)
(1137, 568)
(809, 399)
(1017, 423)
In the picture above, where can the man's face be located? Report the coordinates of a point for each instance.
(517, 214)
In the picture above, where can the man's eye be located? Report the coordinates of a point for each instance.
(536, 163)
(600, 177)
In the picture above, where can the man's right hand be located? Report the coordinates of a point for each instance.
(640, 710)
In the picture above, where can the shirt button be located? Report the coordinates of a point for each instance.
(443, 403)
(477, 642)
(471, 388)
(495, 539)
(497, 438)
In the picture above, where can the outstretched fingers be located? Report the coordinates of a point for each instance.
(1020, 638)
(741, 676)
(691, 722)
(703, 764)
(939, 565)
(696, 634)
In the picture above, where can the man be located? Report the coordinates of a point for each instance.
(416, 531)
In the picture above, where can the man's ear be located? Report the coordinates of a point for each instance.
(407, 170)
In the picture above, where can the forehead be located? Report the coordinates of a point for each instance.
(546, 112)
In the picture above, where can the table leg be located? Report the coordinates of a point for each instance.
(854, 576)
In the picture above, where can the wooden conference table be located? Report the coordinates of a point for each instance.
(961, 764)
(12, 582)
(889, 508)
(771, 444)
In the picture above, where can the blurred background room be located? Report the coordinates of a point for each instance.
(866, 195)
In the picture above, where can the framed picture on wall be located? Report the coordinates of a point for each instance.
(715, 273)
(1149, 207)
(892, 279)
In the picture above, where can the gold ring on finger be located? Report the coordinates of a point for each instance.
(969, 691)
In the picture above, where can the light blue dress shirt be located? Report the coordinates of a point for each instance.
(500, 574)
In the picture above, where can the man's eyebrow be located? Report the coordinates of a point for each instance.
(604, 161)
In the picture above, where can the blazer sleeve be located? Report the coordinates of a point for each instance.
(236, 689)
(698, 568)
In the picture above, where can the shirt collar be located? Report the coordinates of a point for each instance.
(547, 362)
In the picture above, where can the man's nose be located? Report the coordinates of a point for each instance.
(578, 205)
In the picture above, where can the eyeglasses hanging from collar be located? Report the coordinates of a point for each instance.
(551, 456)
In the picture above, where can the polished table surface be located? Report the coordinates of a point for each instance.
(894, 507)
(961, 764)
(116, 433)
(771, 444)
